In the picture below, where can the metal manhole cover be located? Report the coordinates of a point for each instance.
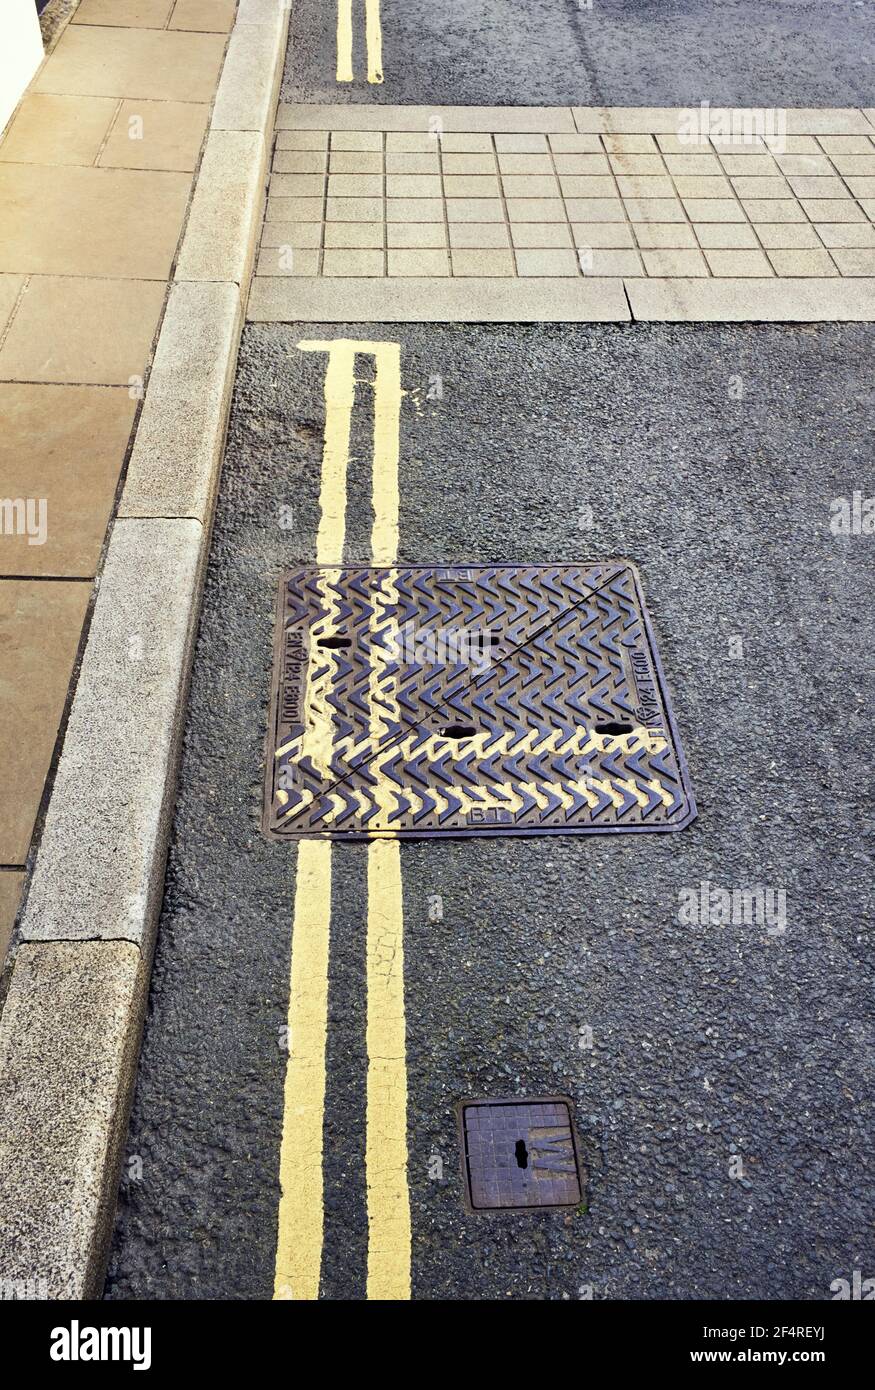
(519, 1153)
(498, 699)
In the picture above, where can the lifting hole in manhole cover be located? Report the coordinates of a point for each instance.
(519, 1154)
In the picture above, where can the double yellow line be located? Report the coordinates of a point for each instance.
(373, 39)
(301, 1211)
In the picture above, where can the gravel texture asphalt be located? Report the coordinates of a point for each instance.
(615, 53)
(710, 457)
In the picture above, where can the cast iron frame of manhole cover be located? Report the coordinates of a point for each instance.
(424, 700)
(519, 1154)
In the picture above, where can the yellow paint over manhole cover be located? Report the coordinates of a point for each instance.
(449, 700)
(519, 1153)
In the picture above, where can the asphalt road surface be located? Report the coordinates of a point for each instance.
(723, 1096)
(614, 53)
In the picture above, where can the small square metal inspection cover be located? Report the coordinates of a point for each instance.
(498, 699)
(520, 1153)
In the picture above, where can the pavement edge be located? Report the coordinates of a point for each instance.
(72, 1021)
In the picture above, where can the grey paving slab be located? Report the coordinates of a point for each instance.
(326, 116)
(756, 301)
(412, 299)
(816, 120)
(778, 116)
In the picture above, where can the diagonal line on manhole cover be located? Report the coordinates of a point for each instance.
(414, 725)
(576, 736)
(441, 714)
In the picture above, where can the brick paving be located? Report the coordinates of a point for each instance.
(449, 202)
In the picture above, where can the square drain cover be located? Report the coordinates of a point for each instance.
(520, 1153)
(498, 699)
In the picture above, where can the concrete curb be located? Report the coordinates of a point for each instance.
(174, 466)
(71, 1024)
(70, 1029)
(225, 204)
(99, 873)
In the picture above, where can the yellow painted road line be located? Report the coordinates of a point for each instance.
(339, 401)
(387, 446)
(301, 1214)
(301, 1211)
(344, 41)
(386, 1144)
(374, 35)
(299, 1241)
(373, 40)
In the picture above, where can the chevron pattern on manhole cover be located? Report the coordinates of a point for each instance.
(449, 700)
(519, 1153)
